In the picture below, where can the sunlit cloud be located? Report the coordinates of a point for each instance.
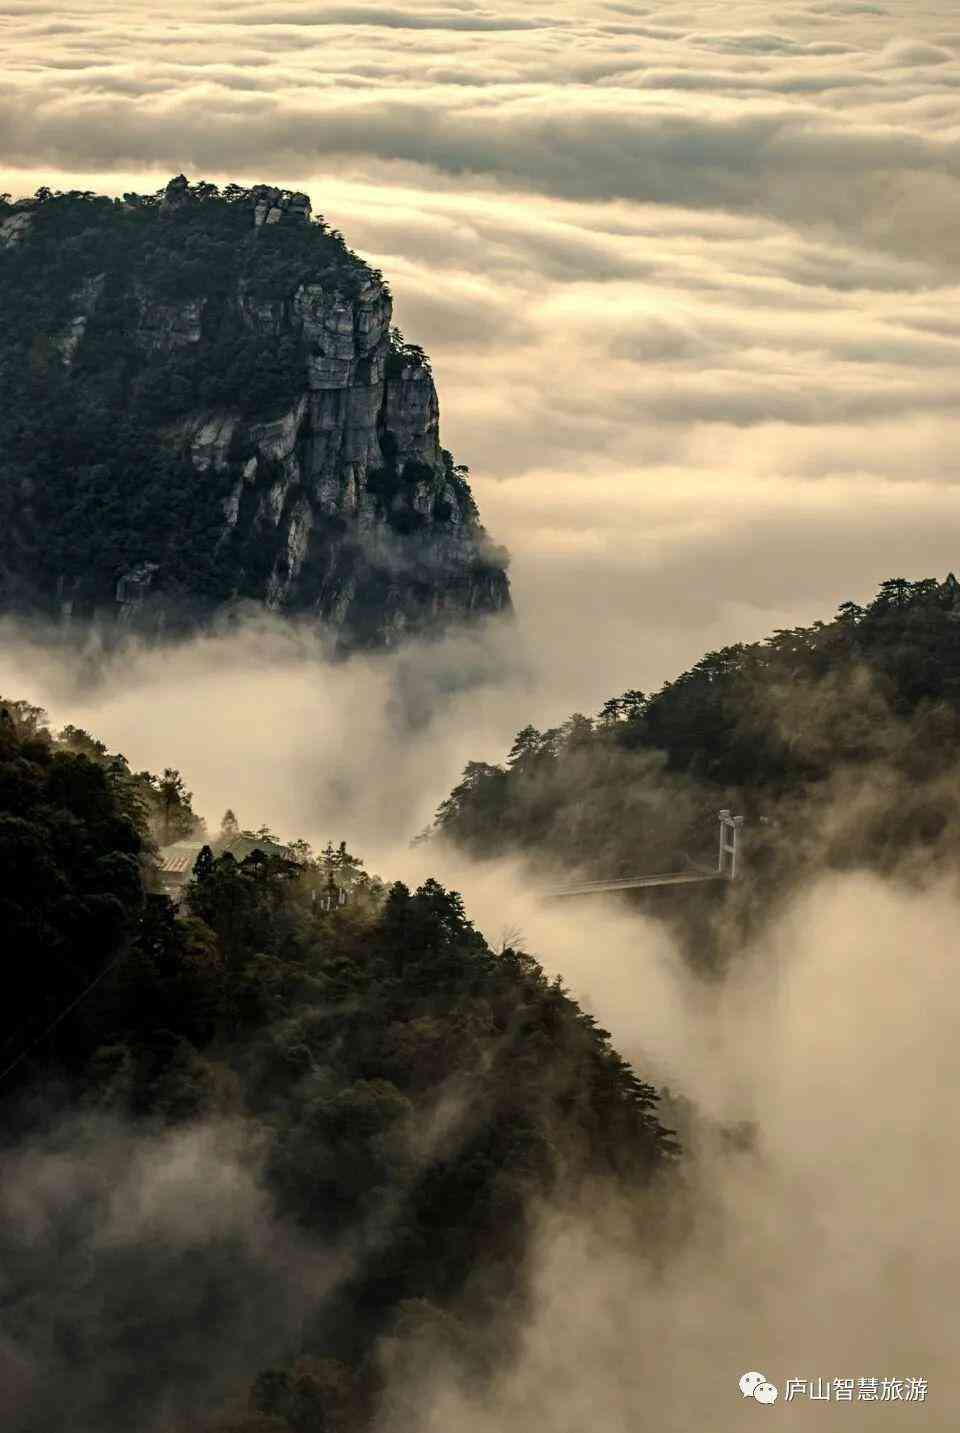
(687, 283)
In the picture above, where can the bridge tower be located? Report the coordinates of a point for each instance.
(728, 859)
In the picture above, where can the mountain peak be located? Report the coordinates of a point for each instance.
(217, 408)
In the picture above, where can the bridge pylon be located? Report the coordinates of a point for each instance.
(728, 857)
(729, 861)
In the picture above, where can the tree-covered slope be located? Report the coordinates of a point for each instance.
(203, 401)
(859, 716)
(400, 1096)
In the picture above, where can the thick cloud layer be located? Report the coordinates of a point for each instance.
(686, 273)
(823, 1250)
(147, 1266)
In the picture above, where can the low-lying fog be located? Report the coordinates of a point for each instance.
(828, 1252)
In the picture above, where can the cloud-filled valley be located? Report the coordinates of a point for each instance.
(688, 275)
(685, 274)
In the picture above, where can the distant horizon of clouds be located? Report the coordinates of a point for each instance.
(688, 273)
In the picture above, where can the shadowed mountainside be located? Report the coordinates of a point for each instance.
(858, 717)
(277, 1144)
(203, 402)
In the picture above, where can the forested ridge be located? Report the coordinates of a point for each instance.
(863, 707)
(188, 396)
(406, 1095)
(86, 490)
(393, 1099)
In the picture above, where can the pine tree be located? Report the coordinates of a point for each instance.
(175, 814)
(526, 746)
(203, 865)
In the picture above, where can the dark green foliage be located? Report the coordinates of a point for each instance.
(160, 806)
(132, 333)
(414, 472)
(762, 725)
(456, 475)
(392, 486)
(402, 355)
(71, 891)
(410, 1090)
(89, 485)
(384, 484)
(176, 814)
(405, 521)
(715, 721)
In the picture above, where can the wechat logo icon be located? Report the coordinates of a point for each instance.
(755, 1385)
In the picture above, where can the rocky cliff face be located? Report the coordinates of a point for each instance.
(209, 405)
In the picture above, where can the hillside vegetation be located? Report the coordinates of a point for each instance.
(200, 407)
(404, 1094)
(84, 486)
(858, 717)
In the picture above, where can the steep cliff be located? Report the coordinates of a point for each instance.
(202, 402)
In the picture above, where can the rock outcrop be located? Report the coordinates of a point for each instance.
(13, 228)
(247, 354)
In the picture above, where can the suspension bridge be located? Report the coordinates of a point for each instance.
(727, 868)
(177, 862)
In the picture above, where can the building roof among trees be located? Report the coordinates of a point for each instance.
(178, 859)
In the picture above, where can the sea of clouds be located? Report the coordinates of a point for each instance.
(688, 276)
(687, 272)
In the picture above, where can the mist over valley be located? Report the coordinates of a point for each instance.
(449, 455)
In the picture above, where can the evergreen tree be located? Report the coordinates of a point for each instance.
(327, 1038)
(176, 817)
(203, 865)
(525, 750)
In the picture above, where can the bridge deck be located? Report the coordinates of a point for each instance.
(626, 883)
